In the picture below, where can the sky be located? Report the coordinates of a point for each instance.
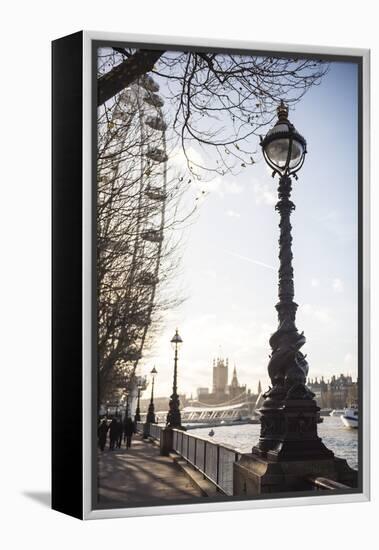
(230, 257)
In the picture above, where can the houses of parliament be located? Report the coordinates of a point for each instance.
(335, 393)
(222, 392)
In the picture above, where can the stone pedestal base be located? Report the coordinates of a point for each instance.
(166, 441)
(254, 476)
(289, 431)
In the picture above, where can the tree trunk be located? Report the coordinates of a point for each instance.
(124, 74)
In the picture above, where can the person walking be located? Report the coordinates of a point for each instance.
(102, 431)
(129, 430)
(113, 433)
(120, 430)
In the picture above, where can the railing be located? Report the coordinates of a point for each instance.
(214, 461)
(323, 483)
(139, 426)
(155, 431)
(151, 430)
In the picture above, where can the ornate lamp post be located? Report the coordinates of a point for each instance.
(173, 417)
(289, 415)
(289, 450)
(137, 416)
(150, 418)
(126, 405)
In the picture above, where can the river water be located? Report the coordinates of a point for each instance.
(343, 441)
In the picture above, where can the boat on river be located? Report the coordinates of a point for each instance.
(350, 417)
(337, 412)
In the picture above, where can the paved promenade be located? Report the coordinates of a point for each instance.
(140, 475)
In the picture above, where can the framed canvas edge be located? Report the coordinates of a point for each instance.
(364, 54)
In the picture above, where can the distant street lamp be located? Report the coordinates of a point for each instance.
(150, 418)
(137, 417)
(173, 417)
(127, 405)
(289, 414)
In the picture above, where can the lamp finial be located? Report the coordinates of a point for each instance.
(282, 111)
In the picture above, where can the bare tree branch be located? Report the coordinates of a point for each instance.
(124, 74)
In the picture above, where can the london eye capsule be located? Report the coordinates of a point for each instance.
(153, 235)
(148, 279)
(155, 193)
(154, 100)
(149, 83)
(156, 154)
(156, 123)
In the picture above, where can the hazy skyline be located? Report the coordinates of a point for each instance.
(230, 256)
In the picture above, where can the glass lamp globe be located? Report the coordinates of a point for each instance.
(176, 340)
(283, 147)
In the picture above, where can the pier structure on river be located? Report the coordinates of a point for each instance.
(242, 411)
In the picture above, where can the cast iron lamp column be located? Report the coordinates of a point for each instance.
(150, 418)
(173, 417)
(126, 415)
(289, 415)
(137, 416)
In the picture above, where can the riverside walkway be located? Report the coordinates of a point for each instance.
(141, 475)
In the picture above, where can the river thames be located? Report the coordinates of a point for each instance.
(343, 441)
